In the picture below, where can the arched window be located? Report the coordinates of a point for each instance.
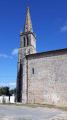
(24, 41)
(27, 41)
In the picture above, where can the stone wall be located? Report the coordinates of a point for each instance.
(48, 84)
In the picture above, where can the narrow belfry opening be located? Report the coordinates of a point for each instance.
(27, 41)
(24, 41)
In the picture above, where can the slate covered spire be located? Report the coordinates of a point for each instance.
(28, 23)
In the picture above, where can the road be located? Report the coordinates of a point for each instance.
(13, 112)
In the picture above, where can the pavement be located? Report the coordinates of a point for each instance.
(13, 112)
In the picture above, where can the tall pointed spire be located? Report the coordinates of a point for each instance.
(28, 23)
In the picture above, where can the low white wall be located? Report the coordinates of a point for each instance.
(12, 99)
(5, 99)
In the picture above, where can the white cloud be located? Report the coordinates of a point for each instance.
(12, 84)
(10, 57)
(7, 84)
(15, 51)
(64, 28)
(5, 56)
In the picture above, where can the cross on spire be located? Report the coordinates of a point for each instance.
(28, 23)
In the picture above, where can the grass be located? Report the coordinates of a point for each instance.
(36, 105)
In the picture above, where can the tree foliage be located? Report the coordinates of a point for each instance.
(4, 91)
(13, 91)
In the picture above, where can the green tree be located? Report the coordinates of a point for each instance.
(13, 91)
(4, 91)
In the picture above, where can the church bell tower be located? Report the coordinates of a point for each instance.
(27, 47)
(27, 38)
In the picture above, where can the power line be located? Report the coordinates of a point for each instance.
(7, 76)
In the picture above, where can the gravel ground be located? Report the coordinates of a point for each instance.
(12, 112)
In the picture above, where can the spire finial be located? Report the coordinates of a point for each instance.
(27, 2)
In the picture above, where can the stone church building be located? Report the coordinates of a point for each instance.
(41, 77)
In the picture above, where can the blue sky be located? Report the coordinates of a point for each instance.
(49, 19)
